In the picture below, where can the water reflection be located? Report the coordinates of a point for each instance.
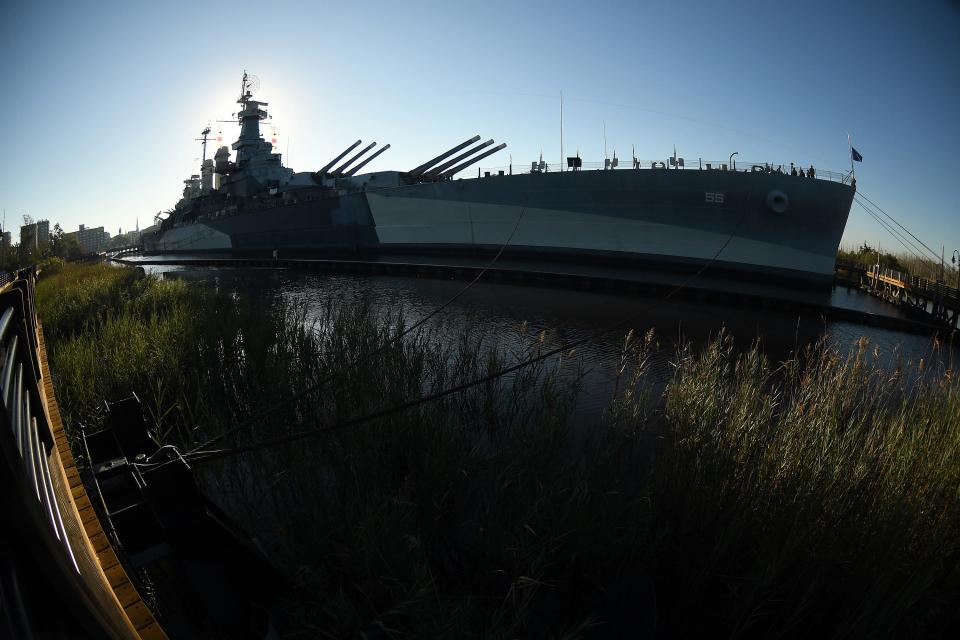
(512, 315)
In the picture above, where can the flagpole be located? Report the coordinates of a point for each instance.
(853, 173)
(561, 131)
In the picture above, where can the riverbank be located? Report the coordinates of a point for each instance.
(813, 496)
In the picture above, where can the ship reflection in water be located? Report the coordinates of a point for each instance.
(510, 315)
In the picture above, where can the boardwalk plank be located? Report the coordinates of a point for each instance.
(137, 614)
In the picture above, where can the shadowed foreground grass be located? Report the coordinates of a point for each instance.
(814, 497)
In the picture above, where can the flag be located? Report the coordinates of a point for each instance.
(855, 155)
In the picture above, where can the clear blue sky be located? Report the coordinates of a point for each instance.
(103, 100)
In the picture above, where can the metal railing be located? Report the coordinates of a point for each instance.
(28, 442)
(116, 252)
(699, 164)
(899, 277)
(932, 289)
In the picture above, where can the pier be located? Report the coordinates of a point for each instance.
(928, 300)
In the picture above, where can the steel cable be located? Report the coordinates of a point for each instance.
(932, 252)
(363, 357)
(201, 456)
(896, 235)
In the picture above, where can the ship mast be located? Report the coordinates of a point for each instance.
(205, 133)
(249, 143)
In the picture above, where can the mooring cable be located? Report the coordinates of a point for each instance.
(896, 236)
(864, 196)
(198, 454)
(365, 356)
(306, 433)
(901, 237)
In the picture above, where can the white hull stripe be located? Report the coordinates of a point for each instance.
(193, 237)
(412, 221)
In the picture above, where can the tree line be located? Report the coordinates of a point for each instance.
(58, 245)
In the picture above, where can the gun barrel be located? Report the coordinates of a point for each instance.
(449, 163)
(349, 162)
(460, 167)
(364, 163)
(443, 156)
(327, 166)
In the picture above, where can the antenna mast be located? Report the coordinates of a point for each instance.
(561, 131)
(205, 133)
(853, 173)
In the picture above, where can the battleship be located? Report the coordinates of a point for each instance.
(755, 221)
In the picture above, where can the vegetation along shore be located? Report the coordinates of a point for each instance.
(721, 494)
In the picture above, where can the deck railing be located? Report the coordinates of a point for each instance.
(698, 164)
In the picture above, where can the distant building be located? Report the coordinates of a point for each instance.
(35, 234)
(43, 232)
(28, 236)
(91, 240)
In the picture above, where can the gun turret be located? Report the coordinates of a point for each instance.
(349, 162)
(449, 163)
(460, 167)
(364, 163)
(443, 156)
(327, 166)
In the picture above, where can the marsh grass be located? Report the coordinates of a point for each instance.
(740, 497)
(819, 496)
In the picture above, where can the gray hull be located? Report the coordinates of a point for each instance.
(648, 217)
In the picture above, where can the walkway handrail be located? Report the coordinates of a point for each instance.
(930, 288)
(22, 404)
(53, 559)
(696, 164)
(116, 252)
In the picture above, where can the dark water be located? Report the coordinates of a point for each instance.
(513, 315)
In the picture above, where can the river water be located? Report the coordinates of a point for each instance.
(511, 315)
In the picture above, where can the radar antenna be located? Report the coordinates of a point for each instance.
(248, 86)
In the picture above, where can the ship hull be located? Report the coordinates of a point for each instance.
(632, 218)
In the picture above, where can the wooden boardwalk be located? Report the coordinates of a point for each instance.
(935, 301)
(120, 605)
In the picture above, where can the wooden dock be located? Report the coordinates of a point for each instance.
(930, 300)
